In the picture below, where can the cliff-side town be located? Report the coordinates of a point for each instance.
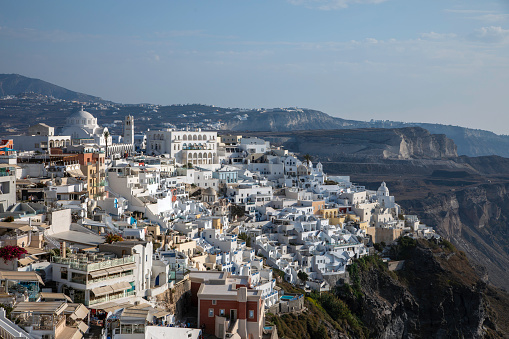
(177, 233)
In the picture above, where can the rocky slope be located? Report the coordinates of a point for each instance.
(437, 295)
(476, 220)
(471, 142)
(14, 84)
(331, 145)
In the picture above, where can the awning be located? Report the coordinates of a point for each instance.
(47, 307)
(128, 267)
(76, 173)
(121, 286)
(27, 261)
(100, 291)
(113, 270)
(161, 314)
(55, 296)
(80, 312)
(82, 327)
(110, 306)
(21, 276)
(98, 273)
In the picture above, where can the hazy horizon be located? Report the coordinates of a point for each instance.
(437, 62)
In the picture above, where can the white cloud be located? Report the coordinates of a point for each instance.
(492, 17)
(328, 5)
(491, 34)
(438, 36)
(488, 16)
(468, 11)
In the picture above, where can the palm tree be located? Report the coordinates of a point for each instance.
(106, 135)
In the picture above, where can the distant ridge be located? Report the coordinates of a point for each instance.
(469, 142)
(14, 84)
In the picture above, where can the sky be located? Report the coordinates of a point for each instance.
(438, 61)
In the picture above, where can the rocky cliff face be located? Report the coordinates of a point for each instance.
(471, 142)
(436, 295)
(282, 120)
(331, 145)
(476, 220)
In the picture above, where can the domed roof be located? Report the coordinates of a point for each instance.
(81, 114)
(383, 188)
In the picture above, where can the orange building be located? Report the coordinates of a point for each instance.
(6, 147)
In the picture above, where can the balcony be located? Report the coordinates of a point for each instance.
(85, 266)
(111, 297)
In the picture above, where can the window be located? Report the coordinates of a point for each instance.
(63, 273)
(221, 313)
(214, 302)
(251, 314)
(211, 312)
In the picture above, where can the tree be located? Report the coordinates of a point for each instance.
(303, 276)
(308, 158)
(106, 136)
(246, 238)
(111, 237)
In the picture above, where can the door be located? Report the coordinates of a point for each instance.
(233, 315)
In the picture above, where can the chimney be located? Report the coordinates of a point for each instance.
(63, 249)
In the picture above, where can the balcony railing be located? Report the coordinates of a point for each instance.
(111, 297)
(83, 265)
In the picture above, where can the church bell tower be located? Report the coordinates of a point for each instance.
(129, 130)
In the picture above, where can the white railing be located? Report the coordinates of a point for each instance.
(9, 330)
(87, 267)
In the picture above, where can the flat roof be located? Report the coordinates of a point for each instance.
(206, 275)
(79, 237)
(228, 290)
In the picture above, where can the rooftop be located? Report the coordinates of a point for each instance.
(48, 307)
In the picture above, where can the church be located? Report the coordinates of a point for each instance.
(83, 126)
(83, 129)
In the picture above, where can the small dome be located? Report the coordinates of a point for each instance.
(383, 188)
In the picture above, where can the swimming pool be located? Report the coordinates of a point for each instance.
(287, 297)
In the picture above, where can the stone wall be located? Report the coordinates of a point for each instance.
(177, 299)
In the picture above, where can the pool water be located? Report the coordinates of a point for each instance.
(287, 297)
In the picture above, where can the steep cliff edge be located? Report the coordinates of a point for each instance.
(437, 295)
(476, 220)
(397, 143)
